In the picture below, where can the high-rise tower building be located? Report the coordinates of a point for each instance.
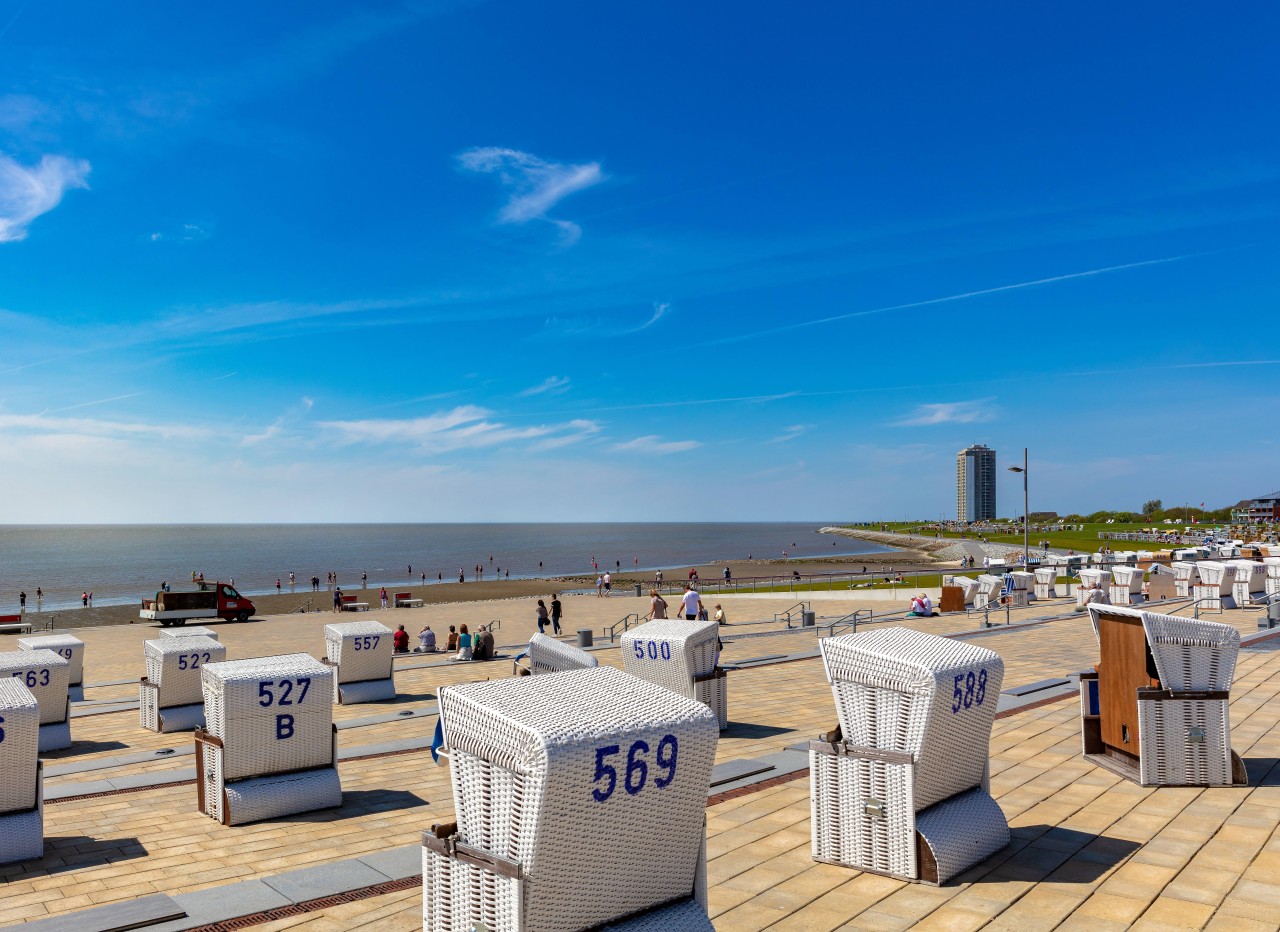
(976, 484)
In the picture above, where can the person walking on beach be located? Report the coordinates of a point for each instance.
(84, 598)
(608, 584)
(277, 586)
(657, 604)
(39, 597)
(22, 603)
(599, 586)
(382, 596)
(542, 617)
(728, 576)
(690, 603)
(364, 578)
(337, 599)
(291, 579)
(556, 610)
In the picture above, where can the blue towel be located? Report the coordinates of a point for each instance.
(438, 741)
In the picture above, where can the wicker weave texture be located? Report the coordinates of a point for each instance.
(174, 664)
(989, 590)
(22, 836)
(65, 646)
(863, 813)
(591, 780)
(188, 631)
(714, 694)
(46, 674)
(685, 916)
(1184, 742)
(934, 698)
(691, 649)
(283, 794)
(366, 691)
(547, 655)
(963, 830)
(363, 650)
(180, 718)
(149, 706)
(1251, 574)
(1191, 654)
(272, 713)
(457, 896)
(1222, 575)
(970, 586)
(56, 736)
(20, 715)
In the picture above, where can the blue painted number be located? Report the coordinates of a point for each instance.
(637, 772)
(651, 649)
(969, 690)
(267, 696)
(33, 677)
(367, 642)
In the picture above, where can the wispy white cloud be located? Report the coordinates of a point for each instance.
(552, 385)
(466, 427)
(536, 185)
(33, 424)
(951, 412)
(653, 445)
(790, 433)
(186, 233)
(659, 311)
(26, 193)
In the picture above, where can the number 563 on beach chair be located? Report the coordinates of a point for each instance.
(901, 787)
(580, 800)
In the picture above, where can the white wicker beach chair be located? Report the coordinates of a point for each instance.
(1176, 733)
(1216, 582)
(270, 748)
(547, 655)
(1185, 576)
(580, 800)
(363, 658)
(171, 696)
(21, 780)
(1126, 585)
(1022, 587)
(990, 588)
(45, 674)
(189, 631)
(1272, 585)
(970, 586)
(680, 655)
(1094, 585)
(68, 647)
(1250, 581)
(901, 787)
(1046, 582)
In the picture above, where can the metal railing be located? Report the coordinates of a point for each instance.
(786, 613)
(611, 631)
(849, 621)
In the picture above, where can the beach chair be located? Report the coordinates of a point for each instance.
(171, 696)
(1213, 591)
(21, 776)
(580, 801)
(990, 588)
(1126, 585)
(47, 675)
(1094, 585)
(547, 655)
(362, 656)
(189, 631)
(1155, 710)
(970, 586)
(270, 749)
(1021, 585)
(1272, 585)
(68, 647)
(1185, 577)
(1250, 582)
(901, 787)
(680, 655)
(1046, 582)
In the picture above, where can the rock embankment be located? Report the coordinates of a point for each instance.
(938, 550)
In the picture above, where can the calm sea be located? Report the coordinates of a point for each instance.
(121, 563)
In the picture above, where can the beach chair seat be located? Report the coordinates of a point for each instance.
(1046, 581)
(267, 718)
(1126, 585)
(1172, 728)
(47, 675)
(990, 588)
(171, 695)
(67, 646)
(362, 655)
(1214, 590)
(548, 655)
(682, 656)
(571, 821)
(21, 777)
(189, 631)
(1250, 581)
(901, 788)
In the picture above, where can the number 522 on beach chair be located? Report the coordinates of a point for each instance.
(901, 787)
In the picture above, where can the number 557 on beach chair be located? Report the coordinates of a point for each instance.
(362, 656)
(580, 800)
(901, 787)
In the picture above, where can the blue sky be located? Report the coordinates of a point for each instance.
(480, 261)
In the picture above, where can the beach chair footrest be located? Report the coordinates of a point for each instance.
(366, 691)
(957, 833)
(55, 736)
(182, 717)
(682, 916)
(285, 794)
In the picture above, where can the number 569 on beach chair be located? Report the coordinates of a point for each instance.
(900, 788)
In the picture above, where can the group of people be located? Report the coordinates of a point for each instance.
(691, 607)
(461, 642)
(553, 615)
(921, 606)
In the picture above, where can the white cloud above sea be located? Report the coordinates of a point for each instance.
(951, 412)
(551, 385)
(536, 185)
(466, 427)
(26, 193)
(653, 445)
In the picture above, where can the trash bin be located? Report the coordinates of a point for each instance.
(808, 619)
(584, 637)
(639, 590)
(1273, 613)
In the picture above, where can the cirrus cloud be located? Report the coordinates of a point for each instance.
(466, 427)
(536, 185)
(951, 412)
(26, 193)
(654, 445)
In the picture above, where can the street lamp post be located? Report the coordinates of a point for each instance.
(1026, 517)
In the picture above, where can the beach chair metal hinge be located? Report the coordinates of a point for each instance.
(874, 808)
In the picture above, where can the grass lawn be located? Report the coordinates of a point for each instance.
(1086, 541)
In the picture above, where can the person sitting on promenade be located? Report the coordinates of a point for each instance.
(720, 617)
(542, 617)
(452, 643)
(464, 644)
(401, 640)
(483, 649)
(658, 604)
(921, 606)
(426, 640)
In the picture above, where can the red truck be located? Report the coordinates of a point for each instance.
(218, 601)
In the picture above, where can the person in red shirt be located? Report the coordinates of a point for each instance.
(401, 640)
